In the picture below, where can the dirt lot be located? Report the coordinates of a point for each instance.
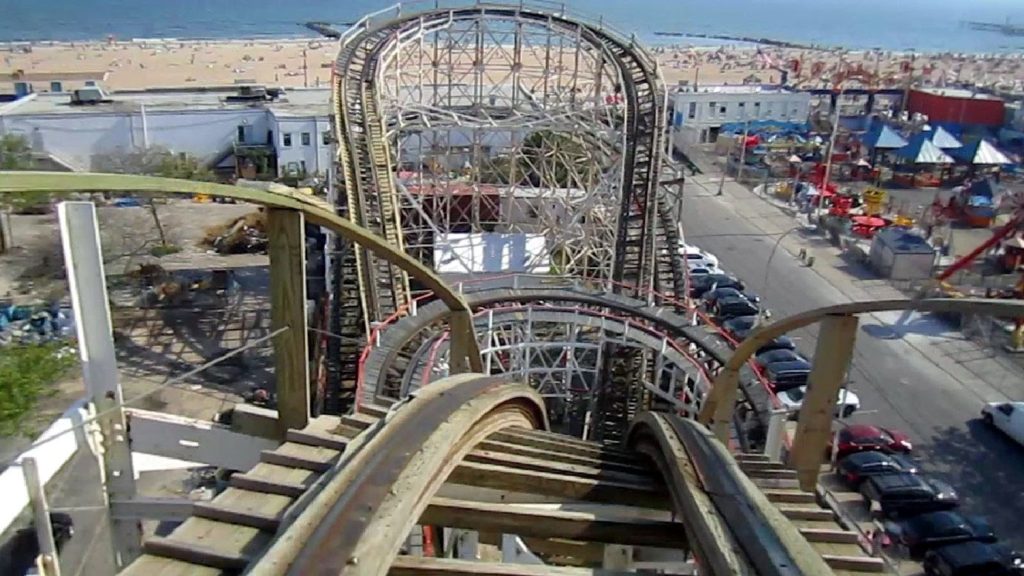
(153, 344)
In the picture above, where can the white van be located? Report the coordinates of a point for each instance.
(1007, 416)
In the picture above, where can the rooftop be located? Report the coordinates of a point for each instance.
(735, 89)
(294, 102)
(957, 93)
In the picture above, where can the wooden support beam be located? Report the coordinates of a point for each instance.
(830, 535)
(855, 563)
(417, 566)
(538, 522)
(831, 361)
(286, 240)
(563, 486)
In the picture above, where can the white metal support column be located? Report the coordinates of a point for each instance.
(82, 259)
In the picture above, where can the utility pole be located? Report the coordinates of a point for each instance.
(305, 69)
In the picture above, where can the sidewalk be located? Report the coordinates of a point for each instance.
(991, 373)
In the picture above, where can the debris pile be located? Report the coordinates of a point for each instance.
(35, 324)
(244, 235)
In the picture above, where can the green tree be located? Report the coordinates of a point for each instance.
(15, 152)
(27, 373)
(554, 160)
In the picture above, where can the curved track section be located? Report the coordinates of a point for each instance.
(398, 351)
(368, 289)
(463, 479)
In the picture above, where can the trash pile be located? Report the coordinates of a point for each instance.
(244, 235)
(35, 324)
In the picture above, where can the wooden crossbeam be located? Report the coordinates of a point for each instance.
(417, 566)
(546, 523)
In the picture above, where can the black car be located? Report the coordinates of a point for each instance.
(734, 307)
(905, 494)
(780, 355)
(859, 466)
(780, 343)
(705, 282)
(787, 374)
(972, 559)
(711, 296)
(926, 531)
(740, 327)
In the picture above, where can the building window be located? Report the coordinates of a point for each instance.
(305, 139)
(56, 87)
(90, 82)
(286, 139)
(241, 134)
(722, 110)
(692, 113)
(302, 167)
(711, 108)
(326, 137)
(757, 109)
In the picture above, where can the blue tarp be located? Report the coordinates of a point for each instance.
(984, 187)
(760, 126)
(882, 137)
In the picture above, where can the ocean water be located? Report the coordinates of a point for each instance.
(922, 25)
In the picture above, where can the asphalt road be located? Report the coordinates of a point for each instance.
(899, 385)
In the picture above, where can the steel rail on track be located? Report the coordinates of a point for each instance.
(732, 526)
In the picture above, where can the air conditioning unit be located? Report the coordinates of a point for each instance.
(88, 95)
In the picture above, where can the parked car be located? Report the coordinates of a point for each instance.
(695, 257)
(859, 466)
(905, 494)
(701, 284)
(926, 531)
(787, 375)
(702, 271)
(1006, 416)
(740, 327)
(793, 399)
(780, 343)
(734, 307)
(711, 296)
(972, 559)
(863, 437)
(772, 356)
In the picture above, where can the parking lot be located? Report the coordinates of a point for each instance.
(927, 381)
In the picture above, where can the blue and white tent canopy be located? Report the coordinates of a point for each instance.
(921, 150)
(981, 153)
(882, 137)
(943, 139)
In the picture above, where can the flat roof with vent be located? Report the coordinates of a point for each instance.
(294, 102)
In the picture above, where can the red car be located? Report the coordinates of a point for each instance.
(864, 438)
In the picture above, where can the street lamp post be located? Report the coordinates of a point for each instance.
(832, 141)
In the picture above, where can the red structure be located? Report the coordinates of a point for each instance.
(957, 106)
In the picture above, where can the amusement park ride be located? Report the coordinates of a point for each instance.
(525, 423)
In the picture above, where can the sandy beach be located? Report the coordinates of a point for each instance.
(143, 64)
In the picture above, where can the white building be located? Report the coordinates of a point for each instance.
(292, 131)
(698, 114)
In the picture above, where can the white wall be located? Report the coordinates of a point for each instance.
(316, 156)
(707, 107)
(76, 138)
